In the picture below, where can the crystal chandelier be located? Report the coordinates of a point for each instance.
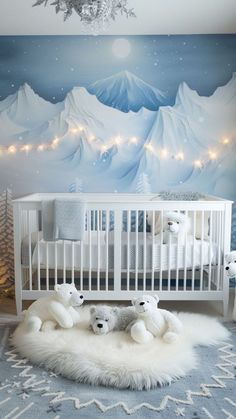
(95, 15)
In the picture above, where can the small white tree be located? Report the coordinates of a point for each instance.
(143, 184)
(76, 186)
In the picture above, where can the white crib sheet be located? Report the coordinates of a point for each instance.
(69, 253)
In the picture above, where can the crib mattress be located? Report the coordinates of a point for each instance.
(94, 256)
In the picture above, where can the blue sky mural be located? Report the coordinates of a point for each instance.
(52, 65)
(80, 113)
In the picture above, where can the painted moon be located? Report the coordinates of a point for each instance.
(121, 48)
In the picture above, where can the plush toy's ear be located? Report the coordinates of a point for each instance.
(56, 287)
(156, 298)
(227, 256)
(134, 301)
(92, 309)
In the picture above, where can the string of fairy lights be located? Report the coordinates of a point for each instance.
(161, 153)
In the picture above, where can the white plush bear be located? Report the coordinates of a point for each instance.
(105, 319)
(230, 259)
(57, 309)
(153, 321)
(176, 226)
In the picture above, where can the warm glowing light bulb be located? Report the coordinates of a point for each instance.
(180, 156)
(55, 142)
(74, 130)
(212, 154)
(41, 147)
(148, 147)
(26, 148)
(198, 164)
(133, 140)
(225, 141)
(104, 148)
(118, 140)
(163, 153)
(80, 128)
(11, 149)
(92, 137)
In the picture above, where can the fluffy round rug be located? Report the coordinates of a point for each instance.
(114, 359)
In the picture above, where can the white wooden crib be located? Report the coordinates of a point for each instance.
(121, 255)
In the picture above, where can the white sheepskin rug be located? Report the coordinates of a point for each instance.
(114, 359)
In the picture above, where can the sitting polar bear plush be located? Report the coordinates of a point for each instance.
(59, 309)
(230, 260)
(104, 319)
(153, 321)
(176, 226)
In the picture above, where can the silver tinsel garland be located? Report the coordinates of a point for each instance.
(96, 13)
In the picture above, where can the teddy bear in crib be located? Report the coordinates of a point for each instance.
(176, 227)
(153, 321)
(230, 259)
(105, 319)
(58, 309)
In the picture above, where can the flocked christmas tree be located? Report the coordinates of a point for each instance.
(6, 244)
(143, 184)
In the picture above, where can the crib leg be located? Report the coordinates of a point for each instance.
(225, 305)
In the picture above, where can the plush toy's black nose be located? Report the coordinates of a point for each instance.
(81, 297)
(227, 268)
(142, 303)
(170, 223)
(100, 325)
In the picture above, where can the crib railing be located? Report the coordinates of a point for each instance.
(122, 255)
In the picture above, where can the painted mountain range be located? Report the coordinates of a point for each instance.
(102, 155)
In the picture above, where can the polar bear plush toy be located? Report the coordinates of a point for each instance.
(104, 319)
(59, 309)
(153, 321)
(176, 226)
(230, 259)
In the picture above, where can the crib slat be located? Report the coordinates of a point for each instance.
(169, 260)
(201, 255)
(161, 249)
(47, 269)
(177, 264)
(39, 260)
(107, 247)
(90, 250)
(128, 250)
(72, 262)
(185, 255)
(136, 250)
(64, 261)
(98, 250)
(81, 265)
(153, 237)
(193, 256)
(56, 262)
(210, 253)
(144, 249)
(219, 241)
(29, 250)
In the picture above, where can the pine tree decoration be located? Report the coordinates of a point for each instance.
(6, 244)
(76, 186)
(143, 184)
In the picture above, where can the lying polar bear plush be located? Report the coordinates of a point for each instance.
(59, 309)
(230, 260)
(104, 319)
(153, 321)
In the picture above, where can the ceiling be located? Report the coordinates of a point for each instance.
(18, 17)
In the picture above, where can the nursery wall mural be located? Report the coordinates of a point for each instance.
(137, 113)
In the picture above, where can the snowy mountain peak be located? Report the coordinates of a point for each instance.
(185, 92)
(127, 92)
(226, 93)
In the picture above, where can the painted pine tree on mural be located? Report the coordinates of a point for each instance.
(6, 243)
(234, 228)
(143, 184)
